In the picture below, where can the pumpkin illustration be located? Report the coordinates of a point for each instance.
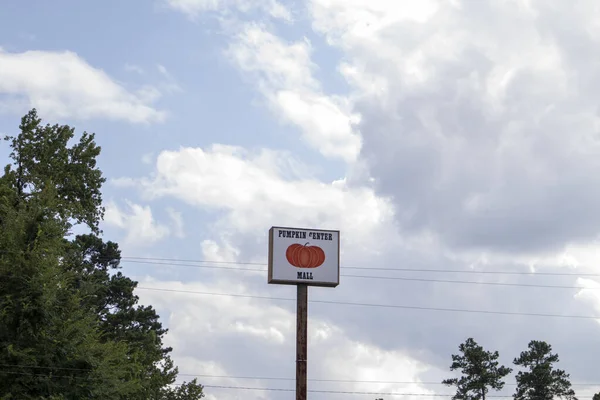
(305, 256)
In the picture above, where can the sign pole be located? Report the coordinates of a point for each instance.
(301, 339)
(303, 257)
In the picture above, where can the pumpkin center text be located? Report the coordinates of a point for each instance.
(302, 235)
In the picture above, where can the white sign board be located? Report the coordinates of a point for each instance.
(307, 256)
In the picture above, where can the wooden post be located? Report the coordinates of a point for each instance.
(301, 339)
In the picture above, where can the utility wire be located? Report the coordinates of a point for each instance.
(344, 380)
(267, 377)
(384, 277)
(268, 389)
(344, 267)
(336, 391)
(195, 261)
(398, 306)
(142, 260)
(197, 265)
(358, 393)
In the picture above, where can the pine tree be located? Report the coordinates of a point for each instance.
(540, 380)
(480, 372)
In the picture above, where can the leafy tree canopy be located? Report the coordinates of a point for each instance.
(70, 324)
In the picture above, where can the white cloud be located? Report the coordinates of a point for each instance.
(262, 337)
(478, 118)
(367, 362)
(283, 74)
(139, 224)
(62, 84)
(248, 191)
(193, 8)
(211, 250)
(478, 125)
(348, 22)
(264, 187)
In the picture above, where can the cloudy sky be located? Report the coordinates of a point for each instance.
(448, 140)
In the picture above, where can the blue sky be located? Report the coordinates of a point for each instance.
(210, 101)
(120, 36)
(448, 136)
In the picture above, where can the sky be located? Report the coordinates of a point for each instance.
(455, 144)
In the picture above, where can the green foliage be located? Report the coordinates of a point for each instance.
(55, 344)
(480, 372)
(110, 295)
(187, 391)
(540, 380)
(41, 157)
(70, 324)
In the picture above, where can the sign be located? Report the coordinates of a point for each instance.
(304, 256)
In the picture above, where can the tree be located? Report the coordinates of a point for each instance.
(41, 157)
(70, 324)
(110, 295)
(596, 396)
(187, 391)
(480, 372)
(49, 346)
(540, 380)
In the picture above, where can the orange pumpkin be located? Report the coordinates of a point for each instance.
(304, 256)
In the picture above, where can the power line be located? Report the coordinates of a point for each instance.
(397, 306)
(355, 392)
(243, 377)
(267, 389)
(470, 282)
(343, 267)
(334, 391)
(258, 378)
(195, 261)
(199, 266)
(391, 278)
(142, 260)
